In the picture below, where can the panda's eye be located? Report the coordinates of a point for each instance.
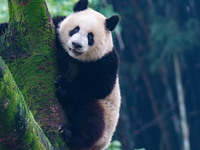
(90, 36)
(90, 39)
(74, 31)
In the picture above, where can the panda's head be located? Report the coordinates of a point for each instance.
(85, 34)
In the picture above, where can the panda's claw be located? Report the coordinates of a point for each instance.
(65, 131)
(59, 82)
(61, 131)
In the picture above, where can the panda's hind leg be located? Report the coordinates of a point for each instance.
(87, 126)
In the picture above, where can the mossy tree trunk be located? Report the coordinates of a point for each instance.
(18, 129)
(28, 48)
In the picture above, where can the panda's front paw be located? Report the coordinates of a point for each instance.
(65, 131)
(60, 82)
(61, 93)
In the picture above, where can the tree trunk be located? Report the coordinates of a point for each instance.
(28, 47)
(18, 129)
(182, 109)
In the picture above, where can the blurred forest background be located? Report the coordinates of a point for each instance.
(159, 45)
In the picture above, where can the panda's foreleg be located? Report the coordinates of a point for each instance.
(61, 92)
(60, 82)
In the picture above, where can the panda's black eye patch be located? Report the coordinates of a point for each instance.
(90, 39)
(74, 31)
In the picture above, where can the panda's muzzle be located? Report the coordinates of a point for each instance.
(76, 48)
(76, 45)
(75, 51)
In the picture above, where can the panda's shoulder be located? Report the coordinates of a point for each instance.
(110, 59)
(108, 65)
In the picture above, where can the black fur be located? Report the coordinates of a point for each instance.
(90, 39)
(81, 5)
(57, 20)
(112, 22)
(75, 30)
(3, 27)
(79, 87)
(93, 80)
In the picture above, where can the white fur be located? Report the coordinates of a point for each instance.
(88, 21)
(111, 107)
(79, 38)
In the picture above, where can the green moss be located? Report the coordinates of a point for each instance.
(31, 138)
(59, 143)
(8, 101)
(32, 22)
(30, 56)
(34, 76)
(15, 117)
(33, 67)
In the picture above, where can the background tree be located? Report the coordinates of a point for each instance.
(154, 31)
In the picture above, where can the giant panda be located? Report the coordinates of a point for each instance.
(88, 84)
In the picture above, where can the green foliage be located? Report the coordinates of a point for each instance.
(3, 11)
(114, 145)
(168, 38)
(60, 7)
(65, 7)
(192, 32)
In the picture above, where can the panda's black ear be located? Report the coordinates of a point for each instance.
(112, 22)
(81, 5)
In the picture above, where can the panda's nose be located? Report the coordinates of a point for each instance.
(76, 45)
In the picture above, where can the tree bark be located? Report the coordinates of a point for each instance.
(18, 129)
(28, 48)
